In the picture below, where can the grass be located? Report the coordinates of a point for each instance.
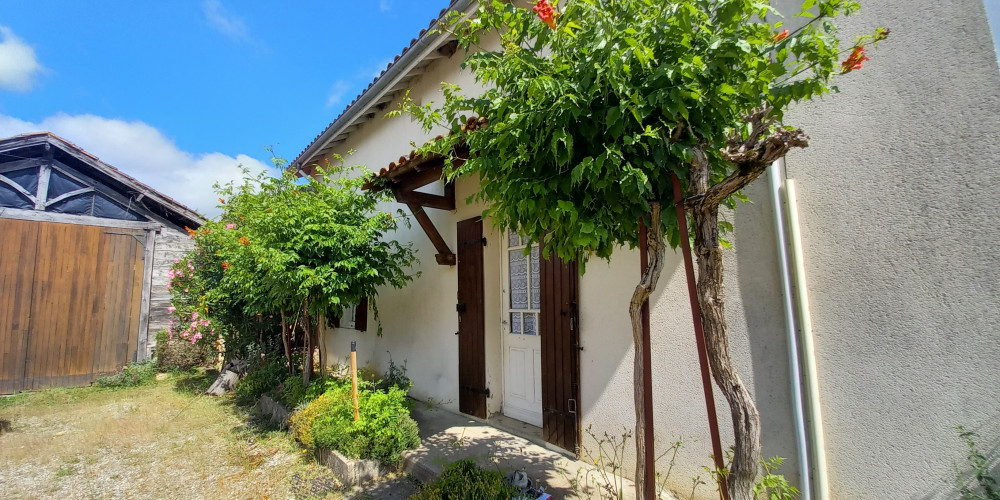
(156, 441)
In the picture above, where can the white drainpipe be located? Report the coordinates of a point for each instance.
(798, 411)
(821, 487)
(802, 358)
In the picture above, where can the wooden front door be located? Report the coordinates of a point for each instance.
(560, 339)
(70, 302)
(472, 390)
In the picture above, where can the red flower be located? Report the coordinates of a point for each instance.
(244, 240)
(225, 265)
(781, 36)
(854, 61)
(546, 13)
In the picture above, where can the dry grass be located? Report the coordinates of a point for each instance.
(159, 441)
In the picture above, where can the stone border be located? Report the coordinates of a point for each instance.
(277, 411)
(350, 471)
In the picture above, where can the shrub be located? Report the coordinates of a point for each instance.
(383, 431)
(258, 381)
(467, 481)
(179, 354)
(293, 394)
(303, 420)
(131, 375)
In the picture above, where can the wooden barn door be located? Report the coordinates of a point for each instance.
(472, 390)
(18, 248)
(560, 353)
(78, 314)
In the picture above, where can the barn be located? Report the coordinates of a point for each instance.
(84, 253)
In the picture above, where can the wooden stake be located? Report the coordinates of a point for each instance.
(354, 378)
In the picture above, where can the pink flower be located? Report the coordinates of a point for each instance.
(171, 309)
(194, 315)
(177, 261)
(230, 226)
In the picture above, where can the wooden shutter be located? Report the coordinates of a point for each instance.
(361, 316)
(472, 390)
(560, 353)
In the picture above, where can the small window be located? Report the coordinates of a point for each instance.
(353, 317)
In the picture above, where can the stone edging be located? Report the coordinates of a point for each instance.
(350, 471)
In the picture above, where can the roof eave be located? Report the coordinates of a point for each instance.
(398, 71)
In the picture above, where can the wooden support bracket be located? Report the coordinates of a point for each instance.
(445, 256)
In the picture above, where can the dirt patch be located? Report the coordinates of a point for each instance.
(157, 441)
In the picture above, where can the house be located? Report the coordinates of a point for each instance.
(896, 200)
(84, 254)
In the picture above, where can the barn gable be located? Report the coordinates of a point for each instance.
(84, 252)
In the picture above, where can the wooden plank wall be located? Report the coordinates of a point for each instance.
(19, 238)
(83, 303)
(170, 245)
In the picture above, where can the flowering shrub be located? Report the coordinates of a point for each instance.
(190, 319)
(283, 253)
(465, 479)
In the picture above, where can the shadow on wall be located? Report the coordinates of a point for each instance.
(758, 276)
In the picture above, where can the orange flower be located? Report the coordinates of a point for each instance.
(854, 61)
(546, 13)
(190, 231)
(781, 36)
(225, 265)
(224, 201)
(244, 240)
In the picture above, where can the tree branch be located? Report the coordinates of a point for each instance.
(753, 155)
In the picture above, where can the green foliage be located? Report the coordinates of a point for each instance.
(396, 377)
(774, 486)
(177, 354)
(259, 380)
(464, 480)
(292, 393)
(131, 375)
(985, 485)
(384, 430)
(283, 244)
(587, 121)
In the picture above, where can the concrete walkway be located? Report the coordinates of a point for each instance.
(448, 437)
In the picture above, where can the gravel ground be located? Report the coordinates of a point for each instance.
(158, 441)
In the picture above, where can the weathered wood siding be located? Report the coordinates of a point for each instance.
(70, 305)
(170, 245)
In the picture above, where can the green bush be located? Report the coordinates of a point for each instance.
(179, 354)
(293, 394)
(131, 375)
(260, 380)
(383, 431)
(464, 480)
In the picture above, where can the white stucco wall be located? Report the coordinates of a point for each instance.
(896, 205)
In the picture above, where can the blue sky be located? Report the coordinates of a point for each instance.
(178, 93)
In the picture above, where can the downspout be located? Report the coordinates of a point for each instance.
(821, 486)
(798, 410)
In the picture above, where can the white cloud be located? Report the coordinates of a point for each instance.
(18, 65)
(225, 22)
(337, 91)
(384, 5)
(145, 153)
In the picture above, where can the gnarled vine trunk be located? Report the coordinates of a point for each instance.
(646, 286)
(746, 418)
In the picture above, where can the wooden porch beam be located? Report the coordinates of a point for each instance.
(446, 202)
(445, 256)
